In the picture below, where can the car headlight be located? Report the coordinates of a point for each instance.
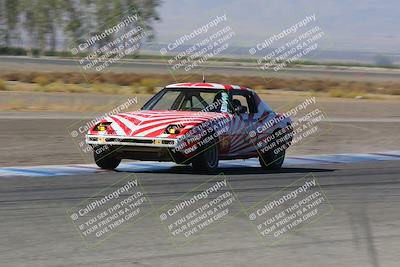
(102, 126)
(173, 129)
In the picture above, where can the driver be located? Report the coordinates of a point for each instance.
(236, 103)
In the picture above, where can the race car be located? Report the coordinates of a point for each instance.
(197, 124)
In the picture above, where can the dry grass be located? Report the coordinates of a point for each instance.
(14, 105)
(45, 104)
(128, 83)
(3, 86)
(150, 84)
(59, 87)
(41, 80)
(342, 93)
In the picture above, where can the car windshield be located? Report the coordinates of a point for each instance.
(189, 99)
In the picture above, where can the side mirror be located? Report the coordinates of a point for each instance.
(240, 109)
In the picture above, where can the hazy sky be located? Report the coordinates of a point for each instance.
(362, 25)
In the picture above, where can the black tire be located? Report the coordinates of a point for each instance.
(207, 161)
(178, 158)
(106, 158)
(272, 161)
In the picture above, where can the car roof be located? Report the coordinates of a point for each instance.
(207, 86)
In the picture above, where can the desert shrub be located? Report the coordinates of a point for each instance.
(3, 86)
(259, 88)
(134, 88)
(41, 80)
(345, 93)
(120, 79)
(99, 88)
(337, 92)
(150, 84)
(74, 78)
(27, 77)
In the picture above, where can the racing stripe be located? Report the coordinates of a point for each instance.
(129, 124)
(133, 118)
(165, 122)
(151, 121)
(149, 129)
(118, 126)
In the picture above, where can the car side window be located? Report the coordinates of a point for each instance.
(239, 100)
(244, 99)
(251, 103)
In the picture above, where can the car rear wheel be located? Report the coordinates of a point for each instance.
(207, 160)
(106, 158)
(272, 161)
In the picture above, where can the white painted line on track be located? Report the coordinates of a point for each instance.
(149, 166)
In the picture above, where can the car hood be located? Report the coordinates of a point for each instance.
(150, 123)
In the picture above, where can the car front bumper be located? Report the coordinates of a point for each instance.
(130, 141)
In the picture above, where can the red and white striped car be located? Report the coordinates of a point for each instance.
(192, 123)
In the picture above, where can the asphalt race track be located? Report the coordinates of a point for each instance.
(361, 230)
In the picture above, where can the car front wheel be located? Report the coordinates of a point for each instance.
(207, 160)
(106, 158)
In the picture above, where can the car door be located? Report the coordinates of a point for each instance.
(243, 123)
